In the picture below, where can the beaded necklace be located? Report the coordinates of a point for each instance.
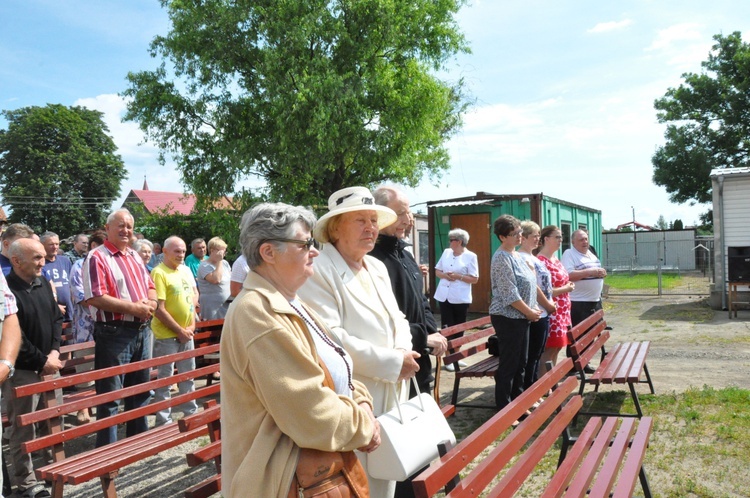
(327, 340)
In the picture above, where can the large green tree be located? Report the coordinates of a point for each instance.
(58, 168)
(708, 122)
(307, 95)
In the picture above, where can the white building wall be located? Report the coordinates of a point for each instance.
(733, 217)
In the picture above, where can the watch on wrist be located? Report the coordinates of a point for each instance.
(11, 368)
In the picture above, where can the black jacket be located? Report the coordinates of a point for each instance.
(40, 320)
(407, 284)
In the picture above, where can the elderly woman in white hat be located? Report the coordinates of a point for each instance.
(351, 291)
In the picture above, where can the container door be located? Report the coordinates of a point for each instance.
(480, 233)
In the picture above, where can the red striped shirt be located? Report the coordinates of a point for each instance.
(108, 271)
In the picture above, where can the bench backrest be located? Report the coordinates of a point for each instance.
(208, 332)
(442, 472)
(53, 412)
(474, 339)
(587, 339)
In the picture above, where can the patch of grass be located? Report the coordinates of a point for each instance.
(698, 448)
(642, 281)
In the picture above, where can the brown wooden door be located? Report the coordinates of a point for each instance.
(478, 226)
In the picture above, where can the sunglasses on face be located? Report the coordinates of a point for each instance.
(311, 242)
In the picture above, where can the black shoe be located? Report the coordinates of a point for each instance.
(588, 369)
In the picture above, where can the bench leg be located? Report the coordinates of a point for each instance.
(443, 448)
(57, 488)
(637, 403)
(454, 396)
(648, 378)
(644, 483)
(108, 485)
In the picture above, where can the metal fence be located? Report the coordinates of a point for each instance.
(657, 263)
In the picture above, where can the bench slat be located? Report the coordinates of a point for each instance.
(484, 368)
(205, 454)
(429, 482)
(634, 463)
(573, 459)
(586, 472)
(639, 362)
(207, 487)
(514, 478)
(617, 451)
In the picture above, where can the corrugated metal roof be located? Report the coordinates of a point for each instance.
(729, 171)
(475, 202)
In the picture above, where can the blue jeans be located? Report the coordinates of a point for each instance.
(163, 347)
(513, 350)
(116, 345)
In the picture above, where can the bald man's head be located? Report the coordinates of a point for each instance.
(27, 258)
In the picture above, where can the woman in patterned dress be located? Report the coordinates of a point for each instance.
(551, 238)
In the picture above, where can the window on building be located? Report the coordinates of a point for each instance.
(565, 228)
(424, 247)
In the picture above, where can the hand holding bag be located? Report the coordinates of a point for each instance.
(409, 435)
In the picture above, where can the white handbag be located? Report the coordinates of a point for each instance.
(409, 435)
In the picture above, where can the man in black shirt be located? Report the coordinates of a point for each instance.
(40, 320)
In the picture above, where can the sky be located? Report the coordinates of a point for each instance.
(562, 92)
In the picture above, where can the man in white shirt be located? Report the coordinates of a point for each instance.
(585, 269)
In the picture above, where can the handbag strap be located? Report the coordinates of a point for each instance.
(398, 403)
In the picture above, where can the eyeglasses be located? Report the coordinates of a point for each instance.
(452, 240)
(311, 242)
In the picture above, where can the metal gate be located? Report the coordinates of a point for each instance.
(652, 265)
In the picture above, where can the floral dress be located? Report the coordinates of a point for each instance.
(560, 320)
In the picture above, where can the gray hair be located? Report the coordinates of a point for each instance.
(114, 214)
(385, 195)
(142, 242)
(17, 231)
(268, 221)
(194, 242)
(460, 234)
(47, 235)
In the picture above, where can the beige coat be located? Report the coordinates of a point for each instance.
(372, 340)
(273, 398)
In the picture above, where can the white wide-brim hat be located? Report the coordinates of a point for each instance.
(348, 200)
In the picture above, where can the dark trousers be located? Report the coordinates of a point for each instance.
(120, 346)
(581, 310)
(513, 350)
(538, 332)
(452, 314)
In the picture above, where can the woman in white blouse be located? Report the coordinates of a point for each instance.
(457, 270)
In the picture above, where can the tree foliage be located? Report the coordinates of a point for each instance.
(308, 95)
(708, 122)
(58, 168)
(661, 223)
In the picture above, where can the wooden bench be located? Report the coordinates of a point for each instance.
(624, 363)
(105, 462)
(210, 417)
(207, 333)
(473, 341)
(607, 456)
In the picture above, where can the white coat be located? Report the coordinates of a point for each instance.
(373, 340)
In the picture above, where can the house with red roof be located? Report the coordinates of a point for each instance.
(154, 201)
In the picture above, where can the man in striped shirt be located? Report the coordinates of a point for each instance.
(117, 284)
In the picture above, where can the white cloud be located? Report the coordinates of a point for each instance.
(667, 37)
(605, 27)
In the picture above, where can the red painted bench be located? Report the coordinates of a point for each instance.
(625, 363)
(473, 341)
(210, 418)
(606, 459)
(105, 462)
